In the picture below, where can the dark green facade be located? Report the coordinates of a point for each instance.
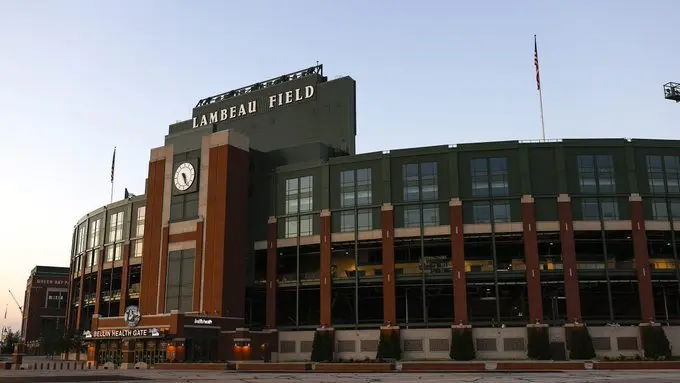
(543, 170)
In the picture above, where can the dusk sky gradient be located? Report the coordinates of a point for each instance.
(80, 77)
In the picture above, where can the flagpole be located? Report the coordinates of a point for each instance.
(113, 169)
(540, 101)
(538, 85)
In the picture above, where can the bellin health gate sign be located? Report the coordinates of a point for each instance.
(251, 107)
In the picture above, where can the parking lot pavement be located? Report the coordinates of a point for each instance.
(224, 376)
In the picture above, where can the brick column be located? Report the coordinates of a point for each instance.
(100, 270)
(272, 266)
(325, 269)
(531, 259)
(80, 292)
(389, 282)
(198, 265)
(641, 258)
(124, 279)
(163, 270)
(458, 262)
(571, 289)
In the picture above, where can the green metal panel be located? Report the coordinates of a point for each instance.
(546, 209)
(561, 170)
(516, 210)
(454, 181)
(631, 176)
(624, 208)
(385, 175)
(524, 169)
(544, 173)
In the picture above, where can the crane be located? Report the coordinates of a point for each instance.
(21, 309)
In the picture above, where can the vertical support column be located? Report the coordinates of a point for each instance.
(531, 259)
(80, 293)
(458, 262)
(325, 269)
(389, 279)
(163, 270)
(153, 227)
(272, 266)
(100, 270)
(198, 262)
(571, 289)
(641, 258)
(124, 279)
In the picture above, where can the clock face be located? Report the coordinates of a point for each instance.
(184, 176)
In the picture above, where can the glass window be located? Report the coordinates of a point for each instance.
(347, 221)
(481, 212)
(596, 174)
(115, 227)
(590, 210)
(610, 209)
(429, 184)
(80, 244)
(364, 220)
(94, 255)
(141, 216)
(306, 225)
(355, 188)
(299, 195)
(95, 229)
(411, 216)
(411, 182)
(420, 178)
(291, 229)
(489, 177)
(501, 212)
(306, 187)
(430, 216)
(56, 299)
(672, 173)
(655, 175)
(139, 248)
(660, 210)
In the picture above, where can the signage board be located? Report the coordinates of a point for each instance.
(247, 108)
(203, 321)
(122, 333)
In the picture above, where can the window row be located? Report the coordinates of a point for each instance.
(93, 239)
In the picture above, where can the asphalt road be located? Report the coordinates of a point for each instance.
(220, 376)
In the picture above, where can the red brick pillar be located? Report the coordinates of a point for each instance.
(272, 255)
(531, 259)
(325, 269)
(79, 313)
(100, 270)
(389, 283)
(124, 278)
(641, 258)
(571, 289)
(458, 262)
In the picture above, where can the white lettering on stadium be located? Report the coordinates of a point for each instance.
(251, 107)
(202, 321)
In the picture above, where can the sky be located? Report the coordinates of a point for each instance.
(80, 77)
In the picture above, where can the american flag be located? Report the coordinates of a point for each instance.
(113, 164)
(538, 74)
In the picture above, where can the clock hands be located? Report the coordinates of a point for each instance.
(184, 176)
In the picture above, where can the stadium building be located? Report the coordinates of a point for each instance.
(260, 224)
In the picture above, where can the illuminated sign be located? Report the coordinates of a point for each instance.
(122, 333)
(203, 321)
(251, 107)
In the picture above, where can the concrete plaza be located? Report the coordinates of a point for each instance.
(230, 376)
